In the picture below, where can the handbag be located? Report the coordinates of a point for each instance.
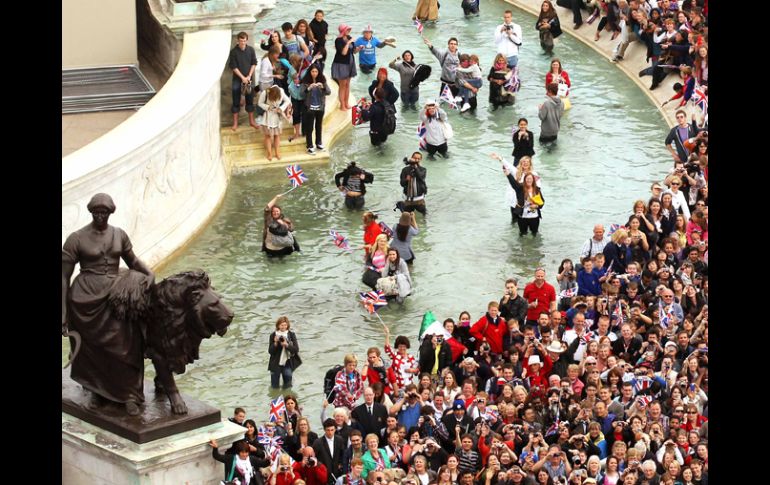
(278, 229)
(370, 277)
(563, 90)
(388, 285)
(447, 130)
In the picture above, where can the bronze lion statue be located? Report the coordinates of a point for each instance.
(175, 315)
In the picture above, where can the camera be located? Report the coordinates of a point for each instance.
(439, 339)
(485, 347)
(282, 339)
(312, 461)
(284, 468)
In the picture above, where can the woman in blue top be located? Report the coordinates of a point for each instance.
(403, 233)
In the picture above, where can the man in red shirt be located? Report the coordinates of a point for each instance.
(490, 329)
(540, 295)
(310, 469)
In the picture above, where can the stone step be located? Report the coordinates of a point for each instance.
(297, 146)
(246, 159)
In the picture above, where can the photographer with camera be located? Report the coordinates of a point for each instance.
(555, 462)
(512, 305)
(435, 355)
(490, 329)
(413, 181)
(508, 39)
(310, 469)
(352, 182)
(284, 353)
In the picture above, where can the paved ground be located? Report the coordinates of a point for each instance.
(80, 129)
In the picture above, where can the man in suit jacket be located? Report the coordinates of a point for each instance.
(370, 417)
(329, 449)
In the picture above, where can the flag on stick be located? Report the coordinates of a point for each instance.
(277, 406)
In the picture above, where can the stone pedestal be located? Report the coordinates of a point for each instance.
(93, 456)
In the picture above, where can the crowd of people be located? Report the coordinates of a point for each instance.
(599, 378)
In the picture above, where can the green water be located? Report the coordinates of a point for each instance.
(610, 148)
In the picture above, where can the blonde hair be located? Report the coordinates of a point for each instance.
(381, 237)
(350, 358)
(619, 235)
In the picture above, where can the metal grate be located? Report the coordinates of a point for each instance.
(104, 89)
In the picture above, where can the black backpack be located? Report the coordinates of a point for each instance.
(329, 378)
(389, 123)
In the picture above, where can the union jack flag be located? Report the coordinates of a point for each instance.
(613, 228)
(700, 98)
(587, 337)
(264, 435)
(267, 32)
(277, 406)
(296, 176)
(421, 132)
(419, 26)
(553, 429)
(641, 383)
(569, 292)
(513, 83)
(339, 240)
(491, 415)
(447, 97)
(373, 300)
(617, 313)
(664, 316)
(643, 401)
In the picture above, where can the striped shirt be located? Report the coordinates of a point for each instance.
(592, 247)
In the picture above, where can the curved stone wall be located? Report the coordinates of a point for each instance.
(163, 166)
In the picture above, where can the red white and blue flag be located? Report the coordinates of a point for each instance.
(617, 314)
(373, 300)
(587, 337)
(419, 26)
(700, 99)
(614, 227)
(421, 132)
(339, 240)
(277, 406)
(296, 176)
(553, 429)
(569, 292)
(641, 383)
(513, 83)
(643, 401)
(448, 97)
(664, 316)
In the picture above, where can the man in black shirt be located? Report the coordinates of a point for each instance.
(413, 181)
(320, 28)
(243, 62)
(511, 304)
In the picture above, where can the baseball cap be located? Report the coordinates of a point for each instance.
(459, 405)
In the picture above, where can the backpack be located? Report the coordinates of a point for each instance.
(329, 379)
(389, 123)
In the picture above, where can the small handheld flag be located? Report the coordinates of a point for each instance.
(421, 133)
(373, 300)
(447, 97)
(614, 227)
(569, 292)
(418, 25)
(296, 176)
(277, 406)
(339, 240)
